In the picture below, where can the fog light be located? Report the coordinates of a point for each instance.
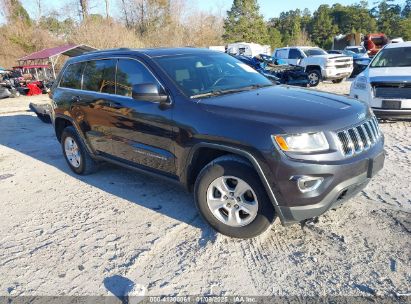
(307, 183)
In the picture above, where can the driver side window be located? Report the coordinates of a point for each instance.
(295, 54)
(131, 72)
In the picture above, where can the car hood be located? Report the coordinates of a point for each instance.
(401, 74)
(330, 56)
(290, 107)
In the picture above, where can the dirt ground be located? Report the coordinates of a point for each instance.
(119, 232)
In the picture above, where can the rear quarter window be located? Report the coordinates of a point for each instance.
(72, 76)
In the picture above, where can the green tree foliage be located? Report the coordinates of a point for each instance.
(16, 12)
(389, 18)
(244, 23)
(323, 28)
(274, 38)
(406, 11)
(355, 18)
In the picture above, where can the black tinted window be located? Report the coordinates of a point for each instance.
(99, 76)
(129, 73)
(294, 54)
(72, 76)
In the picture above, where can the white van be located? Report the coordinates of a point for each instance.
(248, 49)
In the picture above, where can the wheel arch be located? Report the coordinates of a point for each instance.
(312, 67)
(194, 166)
(61, 122)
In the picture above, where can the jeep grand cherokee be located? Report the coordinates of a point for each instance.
(250, 151)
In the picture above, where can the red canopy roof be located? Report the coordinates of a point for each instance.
(33, 66)
(71, 50)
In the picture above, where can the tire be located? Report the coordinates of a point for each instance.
(228, 169)
(314, 76)
(338, 80)
(80, 162)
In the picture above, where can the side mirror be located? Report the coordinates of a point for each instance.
(149, 92)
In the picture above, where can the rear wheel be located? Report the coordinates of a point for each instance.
(314, 76)
(76, 155)
(231, 198)
(338, 80)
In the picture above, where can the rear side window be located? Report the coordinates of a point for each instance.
(129, 73)
(281, 54)
(99, 76)
(72, 76)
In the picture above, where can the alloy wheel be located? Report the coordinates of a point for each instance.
(72, 152)
(232, 201)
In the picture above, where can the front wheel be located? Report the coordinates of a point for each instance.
(229, 195)
(314, 76)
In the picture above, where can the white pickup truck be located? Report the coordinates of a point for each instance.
(317, 63)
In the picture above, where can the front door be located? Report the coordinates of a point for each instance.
(142, 130)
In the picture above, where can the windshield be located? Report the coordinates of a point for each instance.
(206, 73)
(395, 57)
(314, 52)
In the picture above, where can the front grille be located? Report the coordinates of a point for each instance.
(359, 138)
(343, 60)
(345, 66)
(392, 90)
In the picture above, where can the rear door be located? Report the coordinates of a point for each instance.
(282, 54)
(91, 107)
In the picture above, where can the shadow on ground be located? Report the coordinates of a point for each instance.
(28, 135)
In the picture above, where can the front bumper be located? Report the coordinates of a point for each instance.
(395, 114)
(342, 181)
(336, 73)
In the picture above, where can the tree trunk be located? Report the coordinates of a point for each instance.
(107, 8)
(84, 8)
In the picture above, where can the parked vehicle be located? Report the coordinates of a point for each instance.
(386, 84)
(250, 151)
(42, 111)
(375, 42)
(317, 63)
(7, 86)
(357, 49)
(248, 49)
(280, 74)
(360, 60)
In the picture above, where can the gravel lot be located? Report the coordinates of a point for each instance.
(118, 231)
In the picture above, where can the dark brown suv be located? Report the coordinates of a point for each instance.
(249, 150)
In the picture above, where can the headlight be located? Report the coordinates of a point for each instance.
(360, 83)
(305, 142)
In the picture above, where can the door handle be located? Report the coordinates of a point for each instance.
(75, 99)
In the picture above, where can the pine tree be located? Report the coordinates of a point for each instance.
(244, 23)
(406, 11)
(389, 17)
(323, 27)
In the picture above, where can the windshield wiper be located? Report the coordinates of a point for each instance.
(230, 91)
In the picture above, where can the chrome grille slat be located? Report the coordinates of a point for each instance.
(373, 129)
(359, 139)
(366, 139)
(373, 138)
(355, 140)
